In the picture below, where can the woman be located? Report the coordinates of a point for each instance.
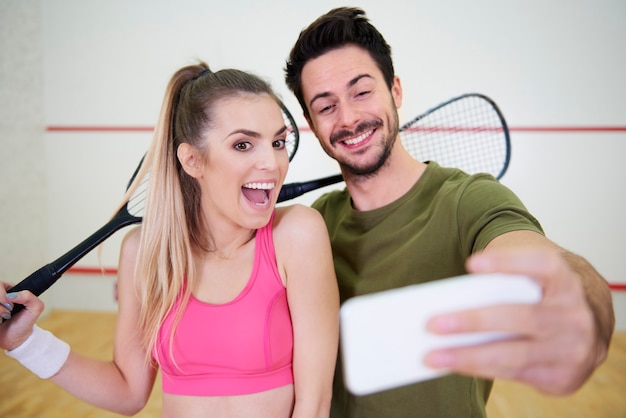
(216, 287)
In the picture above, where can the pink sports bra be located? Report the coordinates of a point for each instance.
(240, 347)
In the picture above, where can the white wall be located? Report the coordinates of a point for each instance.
(23, 211)
(557, 63)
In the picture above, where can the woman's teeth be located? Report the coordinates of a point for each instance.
(257, 193)
(264, 186)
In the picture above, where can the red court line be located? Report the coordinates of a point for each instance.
(530, 129)
(526, 129)
(67, 128)
(621, 287)
(108, 271)
(112, 271)
(453, 129)
(544, 129)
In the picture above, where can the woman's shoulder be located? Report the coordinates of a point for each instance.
(297, 222)
(300, 238)
(296, 214)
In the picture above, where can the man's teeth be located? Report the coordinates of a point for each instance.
(358, 139)
(262, 186)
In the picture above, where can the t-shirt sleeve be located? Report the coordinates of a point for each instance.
(488, 209)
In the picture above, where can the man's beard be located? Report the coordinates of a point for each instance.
(384, 148)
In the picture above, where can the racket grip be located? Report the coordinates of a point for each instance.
(290, 191)
(293, 190)
(38, 282)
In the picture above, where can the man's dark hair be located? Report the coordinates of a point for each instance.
(337, 28)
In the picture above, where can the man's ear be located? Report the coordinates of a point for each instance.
(188, 158)
(396, 92)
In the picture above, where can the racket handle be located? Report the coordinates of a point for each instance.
(38, 282)
(293, 190)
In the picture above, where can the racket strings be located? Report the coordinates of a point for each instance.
(467, 133)
(137, 201)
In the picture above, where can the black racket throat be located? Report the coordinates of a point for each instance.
(42, 279)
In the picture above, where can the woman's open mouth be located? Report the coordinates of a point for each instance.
(258, 193)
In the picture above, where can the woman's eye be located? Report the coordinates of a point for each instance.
(243, 146)
(279, 143)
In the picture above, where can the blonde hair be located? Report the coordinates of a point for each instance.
(173, 229)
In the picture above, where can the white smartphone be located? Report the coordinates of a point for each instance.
(384, 336)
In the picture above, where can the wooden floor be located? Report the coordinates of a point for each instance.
(22, 395)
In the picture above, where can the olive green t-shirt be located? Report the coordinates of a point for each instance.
(425, 235)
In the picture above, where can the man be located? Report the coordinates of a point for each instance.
(401, 222)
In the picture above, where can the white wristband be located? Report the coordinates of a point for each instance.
(42, 353)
